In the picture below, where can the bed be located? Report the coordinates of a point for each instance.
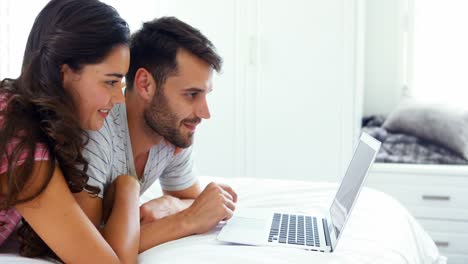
(380, 229)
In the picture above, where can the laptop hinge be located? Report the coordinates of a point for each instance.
(327, 233)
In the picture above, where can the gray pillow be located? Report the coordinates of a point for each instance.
(442, 124)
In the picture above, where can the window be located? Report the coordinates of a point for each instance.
(439, 70)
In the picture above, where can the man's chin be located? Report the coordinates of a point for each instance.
(181, 143)
(183, 146)
(187, 144)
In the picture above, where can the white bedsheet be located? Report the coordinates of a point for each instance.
(380, 230)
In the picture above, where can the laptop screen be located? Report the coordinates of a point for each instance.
(351, 184)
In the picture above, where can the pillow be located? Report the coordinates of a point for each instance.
(443, 124)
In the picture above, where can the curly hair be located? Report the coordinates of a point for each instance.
(40, 110)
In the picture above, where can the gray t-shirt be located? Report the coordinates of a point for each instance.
(109, 153)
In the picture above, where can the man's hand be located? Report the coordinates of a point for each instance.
(159, 208)
(214, 204)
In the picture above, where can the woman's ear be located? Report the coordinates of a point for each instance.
(144, 84)
(67, 75)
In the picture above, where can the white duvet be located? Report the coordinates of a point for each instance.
(379, 230)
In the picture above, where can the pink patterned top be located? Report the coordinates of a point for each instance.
(10, 218)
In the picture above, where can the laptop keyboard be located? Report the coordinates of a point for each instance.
(294, 229)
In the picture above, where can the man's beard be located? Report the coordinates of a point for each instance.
(161, 120)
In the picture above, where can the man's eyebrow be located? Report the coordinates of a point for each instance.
(196, 89)
(118, 75)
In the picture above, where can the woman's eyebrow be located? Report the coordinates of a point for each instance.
(118, 75)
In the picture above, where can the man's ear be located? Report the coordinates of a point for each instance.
(144, 84)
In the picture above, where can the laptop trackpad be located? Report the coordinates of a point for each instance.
(244, 230)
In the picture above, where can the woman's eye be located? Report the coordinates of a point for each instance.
(111, 83)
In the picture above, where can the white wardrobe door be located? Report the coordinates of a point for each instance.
(284, 105)
(305, 88)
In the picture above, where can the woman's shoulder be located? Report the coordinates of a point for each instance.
(41, 150)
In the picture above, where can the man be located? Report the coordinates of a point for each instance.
(150, 136)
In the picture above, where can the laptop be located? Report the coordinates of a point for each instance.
(299, 230)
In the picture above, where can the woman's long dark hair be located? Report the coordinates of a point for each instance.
(39, 110)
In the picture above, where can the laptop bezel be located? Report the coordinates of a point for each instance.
(373, 144)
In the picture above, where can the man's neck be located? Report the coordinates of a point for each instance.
(140, 137)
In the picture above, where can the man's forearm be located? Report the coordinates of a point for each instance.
(214, 204)
(163, 230)
(180, 204)
(162, 207)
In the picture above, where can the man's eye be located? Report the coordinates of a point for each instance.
(192, 95)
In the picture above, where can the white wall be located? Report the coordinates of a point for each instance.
(289, 99)
(13, 36)
(135, 12)
(23, 13)
(384, 62)
(285, 103)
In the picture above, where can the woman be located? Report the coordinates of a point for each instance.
(75, 58)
